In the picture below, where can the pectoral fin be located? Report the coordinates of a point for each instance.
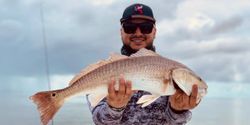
(184, 79)
(147, 99)
(168, 86)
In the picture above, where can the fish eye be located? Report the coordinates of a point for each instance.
(200, 79)
(53, 94)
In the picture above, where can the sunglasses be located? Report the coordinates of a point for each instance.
(145, 28)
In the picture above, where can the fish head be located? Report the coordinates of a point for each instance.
(185, 79)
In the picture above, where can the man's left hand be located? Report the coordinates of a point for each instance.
(180, 101)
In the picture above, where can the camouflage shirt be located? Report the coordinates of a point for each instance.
(157, 113)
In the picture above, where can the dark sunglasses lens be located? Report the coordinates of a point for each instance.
(146, 28)
(129, 28)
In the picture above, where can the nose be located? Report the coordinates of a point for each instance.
(138, 32)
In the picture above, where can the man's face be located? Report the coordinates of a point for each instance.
(138, 38)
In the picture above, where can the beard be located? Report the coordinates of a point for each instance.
(127, 50)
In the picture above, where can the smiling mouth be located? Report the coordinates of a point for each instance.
(137, 40)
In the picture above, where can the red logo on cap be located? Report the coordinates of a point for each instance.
(138, 8)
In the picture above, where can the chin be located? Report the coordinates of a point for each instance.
(137, 48)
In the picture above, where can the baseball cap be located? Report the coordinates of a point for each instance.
(136, 11)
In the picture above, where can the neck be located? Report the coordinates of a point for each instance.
(127, 50)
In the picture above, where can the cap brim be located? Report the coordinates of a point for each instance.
(139, 17)
(142, 17)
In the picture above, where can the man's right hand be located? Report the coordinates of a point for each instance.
(120, 98)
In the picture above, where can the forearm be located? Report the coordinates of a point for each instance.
(180, 118)
(103, 114)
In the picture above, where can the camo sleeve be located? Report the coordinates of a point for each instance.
(178, 118)
(157, 113)
(103, 114)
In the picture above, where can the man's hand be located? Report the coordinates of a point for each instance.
(180, 101)
(120, 98)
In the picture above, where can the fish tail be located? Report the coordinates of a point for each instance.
(48, 103)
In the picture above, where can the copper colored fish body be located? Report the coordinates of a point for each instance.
(147, 70)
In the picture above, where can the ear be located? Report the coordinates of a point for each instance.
(122, 33)
(121, 30)
(154, 32)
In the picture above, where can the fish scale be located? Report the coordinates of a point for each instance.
(146, 70)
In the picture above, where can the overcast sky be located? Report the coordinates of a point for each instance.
(212, 37)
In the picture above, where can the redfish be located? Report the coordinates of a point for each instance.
(146, 70)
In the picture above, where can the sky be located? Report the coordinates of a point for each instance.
(211, 37)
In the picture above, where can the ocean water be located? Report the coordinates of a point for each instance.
(221, 111)
(17, 109)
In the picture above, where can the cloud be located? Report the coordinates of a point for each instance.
(218, 10)
(72, 37)
(200, 20)
(211, 38)
(227, 25)
(101, 2)
(222, 59)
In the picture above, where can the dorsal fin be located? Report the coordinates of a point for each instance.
(116, 56)
(113, 57)
(144, 52)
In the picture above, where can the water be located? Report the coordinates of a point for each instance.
(17, 109)
(219, 111)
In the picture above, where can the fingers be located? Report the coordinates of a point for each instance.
(119, 98)
(111, 88)
(128, 89)
(122, 86)
(179, 100)
(125, 88)
(193, 96)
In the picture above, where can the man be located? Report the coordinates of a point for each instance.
(119, 107)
